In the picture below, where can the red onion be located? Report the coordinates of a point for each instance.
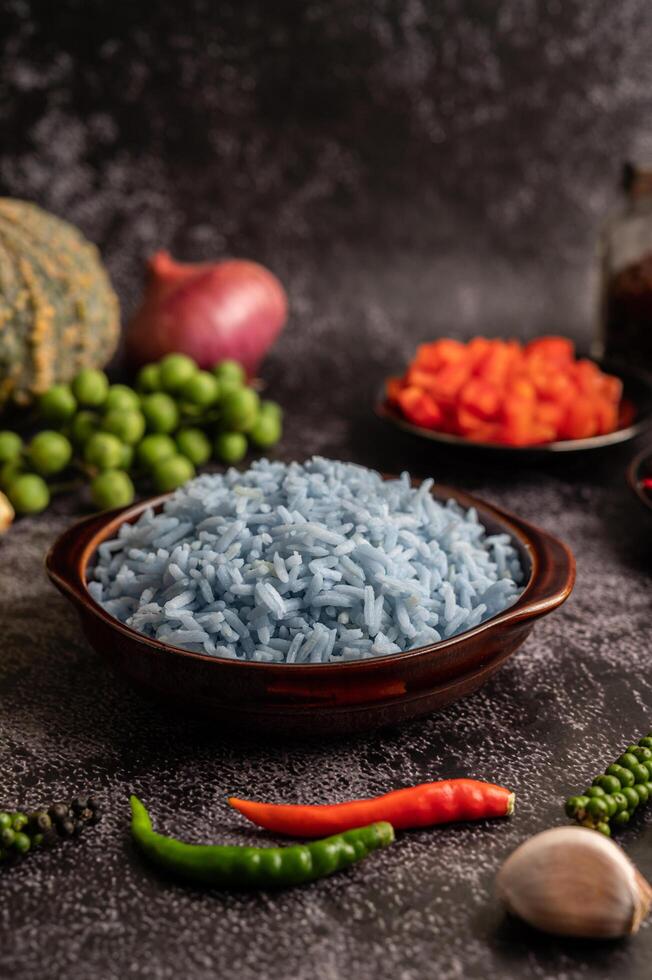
(210, 311)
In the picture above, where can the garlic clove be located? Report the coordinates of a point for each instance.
(6, 513)
(572, 881)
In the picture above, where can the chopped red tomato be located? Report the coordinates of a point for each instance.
(581, 420)
(440, 354)
(606, 414)
(500, 391)
(393, 388)
(420, 408)
(480, 397)
(551, 350)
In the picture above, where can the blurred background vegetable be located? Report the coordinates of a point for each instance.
(58, 310)
(211, 311)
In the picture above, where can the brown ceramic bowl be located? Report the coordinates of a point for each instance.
(320, 699)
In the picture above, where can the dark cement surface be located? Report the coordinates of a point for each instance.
(408, 169)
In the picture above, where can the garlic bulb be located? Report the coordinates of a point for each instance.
(574, 882)
(6, 513)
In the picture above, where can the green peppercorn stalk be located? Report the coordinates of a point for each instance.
(613, 796)
(21, 833)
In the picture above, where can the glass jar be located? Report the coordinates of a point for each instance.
(625, 330)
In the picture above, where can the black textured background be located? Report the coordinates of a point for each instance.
(408, 168)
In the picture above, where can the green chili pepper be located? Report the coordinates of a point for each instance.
(255, 867)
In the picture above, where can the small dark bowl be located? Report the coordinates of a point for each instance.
(638, 469)
(635, 418)
(320, 699)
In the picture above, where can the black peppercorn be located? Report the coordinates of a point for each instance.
(67, 827)
(40, 821)
(59, 811)
(79, 804)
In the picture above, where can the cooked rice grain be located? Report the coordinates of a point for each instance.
(321, 562)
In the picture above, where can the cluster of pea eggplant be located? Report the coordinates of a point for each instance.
(176, 419)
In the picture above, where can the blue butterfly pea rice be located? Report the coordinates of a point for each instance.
(321, 562)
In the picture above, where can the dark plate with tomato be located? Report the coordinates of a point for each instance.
(634, 417)
(639, 477)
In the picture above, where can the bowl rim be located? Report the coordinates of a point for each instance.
(383, 410)
(536, 599)
(633, 478)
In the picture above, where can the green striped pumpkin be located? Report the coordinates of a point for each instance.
(58, 311)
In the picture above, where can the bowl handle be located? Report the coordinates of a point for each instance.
(553, 573)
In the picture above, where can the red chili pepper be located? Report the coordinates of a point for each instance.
(417, 806)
